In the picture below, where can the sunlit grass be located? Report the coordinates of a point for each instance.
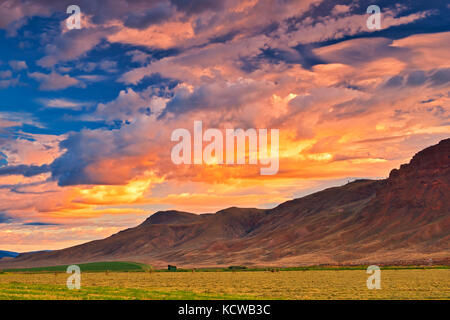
(324, 284)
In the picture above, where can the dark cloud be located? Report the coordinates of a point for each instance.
(4, 218)
(108, 10)
(394, 82)
(70, 168)
(224, 38)
(301, 54)
(40, 224)
(24, 170)
(308, 58)
(83, 162)
(440, 77)
(218, 95)
(157, 14)
(197, 6)
(416, 78)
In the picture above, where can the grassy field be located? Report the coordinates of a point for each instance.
(122, 266)
(118, 266)
(307, 284)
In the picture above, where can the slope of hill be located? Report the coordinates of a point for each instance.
(402, 219)
(8, 254)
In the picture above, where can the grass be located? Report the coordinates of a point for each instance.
(114, 266)
(309, 268)
(122, 266)
(24, 291)
(306, 284)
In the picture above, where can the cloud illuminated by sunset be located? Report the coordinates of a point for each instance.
(86, 115)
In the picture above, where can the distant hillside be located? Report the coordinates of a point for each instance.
(402, 219)
(8, 254)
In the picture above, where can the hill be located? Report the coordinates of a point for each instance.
(8, 254)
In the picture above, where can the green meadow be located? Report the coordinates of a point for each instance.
(114, 266)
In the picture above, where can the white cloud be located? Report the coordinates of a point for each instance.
(5, 74)
(63, 103)
(18, 65)
(54, 81)
(91, 77)
(8, 83)
(139, 56)
(340, 8)
(12, 119)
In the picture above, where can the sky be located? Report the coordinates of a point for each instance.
(86, 115)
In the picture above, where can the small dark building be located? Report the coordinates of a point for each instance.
(171, 268)
(237, 267)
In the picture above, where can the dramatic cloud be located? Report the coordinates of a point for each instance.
(127, 106)
(156, 14)
(218, 95)
(87, 114)
(72, 45)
